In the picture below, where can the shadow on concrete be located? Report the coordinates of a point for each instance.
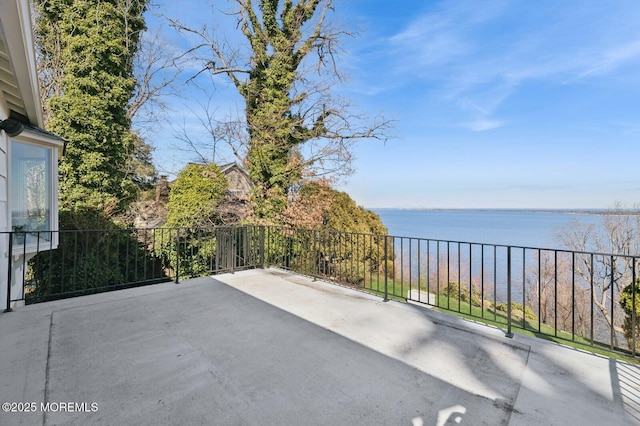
(625, 378)
(550, 384)
(558, 380)
(453, 356)
(211, 354)
(258, 350)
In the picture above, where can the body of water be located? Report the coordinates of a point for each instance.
(535, 276)
(529, 228)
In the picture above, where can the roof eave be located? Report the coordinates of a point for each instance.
(15, 20)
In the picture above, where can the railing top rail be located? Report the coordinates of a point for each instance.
(522, 247)
(473, 243)
(95, 260)
(333, 231)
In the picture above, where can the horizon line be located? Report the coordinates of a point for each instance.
(598, 210)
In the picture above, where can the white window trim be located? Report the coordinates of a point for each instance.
(33, 138)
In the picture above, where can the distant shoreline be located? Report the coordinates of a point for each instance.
(601, 212)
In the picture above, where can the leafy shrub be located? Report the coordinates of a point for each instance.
(516, 310)
(627, 302)
(189, 256)
(195, 197)
(461, 292)
(94, 254)
(338, 239)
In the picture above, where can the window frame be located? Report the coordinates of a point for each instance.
(31, 245)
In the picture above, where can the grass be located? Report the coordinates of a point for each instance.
(493, 317)
(545, 332)
(394, 290)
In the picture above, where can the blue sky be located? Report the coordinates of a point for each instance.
(496, 104)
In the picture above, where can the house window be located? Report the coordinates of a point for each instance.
(31, 189)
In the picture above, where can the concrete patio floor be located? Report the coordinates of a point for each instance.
(266, 347)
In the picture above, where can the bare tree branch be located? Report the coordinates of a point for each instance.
(285, 70)
(617, 235)
(156, 69)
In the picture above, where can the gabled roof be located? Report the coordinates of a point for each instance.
(225, 168)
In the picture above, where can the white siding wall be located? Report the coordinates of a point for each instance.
(4, 191)
(4, 221)
(16, 31)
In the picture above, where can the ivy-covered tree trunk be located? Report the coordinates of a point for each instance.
(88, 46)
(285, 72)
(275, 130)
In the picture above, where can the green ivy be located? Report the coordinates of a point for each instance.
(630, 299)
(195, 196)
(87, 49)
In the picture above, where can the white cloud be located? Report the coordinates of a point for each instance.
(477, 56)
(441, 35)
(612, 58)
(482, 125)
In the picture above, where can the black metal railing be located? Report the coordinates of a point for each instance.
(49, 265)
(584, 297)
(587, 298)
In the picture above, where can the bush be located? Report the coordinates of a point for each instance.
(94, 254)
(631, 330)
(517, 309)
(195, 197)
(190, 256)
(461, 292)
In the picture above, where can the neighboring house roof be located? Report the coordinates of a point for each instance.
(240, 185)
(19, 93)
(226, 168)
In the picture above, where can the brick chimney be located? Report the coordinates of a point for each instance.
(162, 190)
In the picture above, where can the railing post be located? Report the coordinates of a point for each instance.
(613, 286)
(234, 247)
(633, 307)
(386, 279)
(262, 246)
(9, 268)
(316, 257)
(177, 256)
(509, 332)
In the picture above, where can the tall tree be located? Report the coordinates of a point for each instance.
(605, 276)
(285, 73)
(87, 50)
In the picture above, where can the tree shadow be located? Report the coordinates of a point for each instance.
(556, 386)
(233, 358)
(625, 379)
